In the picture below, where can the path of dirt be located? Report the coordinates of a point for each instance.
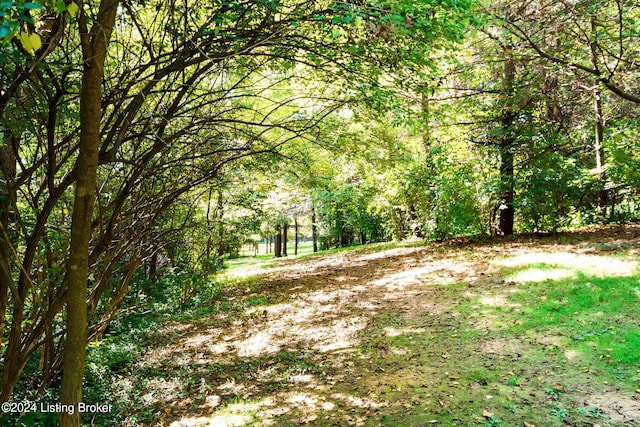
(315, 315)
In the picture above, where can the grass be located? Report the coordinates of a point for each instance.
(561, 340)
(597, 318)
(502, 343)
(236, 267)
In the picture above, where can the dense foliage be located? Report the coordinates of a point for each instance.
(257, 121)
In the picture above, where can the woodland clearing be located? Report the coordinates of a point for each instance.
(528, 331)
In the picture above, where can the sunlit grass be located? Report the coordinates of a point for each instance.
(250, 263)
(394, 335)
(598, 316)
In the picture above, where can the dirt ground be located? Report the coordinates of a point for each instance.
(334, 340)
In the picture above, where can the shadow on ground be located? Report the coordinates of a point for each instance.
(414, 335)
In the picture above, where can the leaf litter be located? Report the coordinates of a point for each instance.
(395, 337)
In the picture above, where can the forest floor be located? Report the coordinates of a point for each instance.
(530, 331)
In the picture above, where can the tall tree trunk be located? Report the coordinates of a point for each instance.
(314, 228)
(7, 175)
(295, 224)
(339, 236)
(285, 232)
(507, 211)
(94, 51)
(153, 264)
(277, 249)
(507, 122)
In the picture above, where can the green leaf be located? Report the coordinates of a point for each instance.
(4, 31)
(36, 41)
(25, 41)
(32, 6)
(60, 6)
(73, 8)
(26, 19)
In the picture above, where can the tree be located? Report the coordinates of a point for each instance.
(94, 42)
(594, 38)
(188, 91)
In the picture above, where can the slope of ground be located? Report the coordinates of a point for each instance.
(524, 332)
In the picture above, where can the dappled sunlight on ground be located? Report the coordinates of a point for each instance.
(503, 347)
(497, 300)
(442, 272)
(539, 275)
(292, 355)
(566, 264)
(305, 403)
(395, 332)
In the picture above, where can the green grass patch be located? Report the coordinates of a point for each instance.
(597, 317)
(493, 351)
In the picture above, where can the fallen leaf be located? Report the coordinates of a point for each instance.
(526, 424)
(487, 414)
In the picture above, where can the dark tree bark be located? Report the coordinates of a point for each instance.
(507, 148)
(314, 228)
(94, 50)
(285, 232)
(7, 174)
(295, 224)
(277, 247)
(507, 210)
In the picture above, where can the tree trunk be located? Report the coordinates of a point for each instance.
(339, 233)
(314, 228)
(153, 264)
(7, 174)
(295, 224)
(277, 247)
(507, 211)
(285, 232)
(507, 122)
(94, 50)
